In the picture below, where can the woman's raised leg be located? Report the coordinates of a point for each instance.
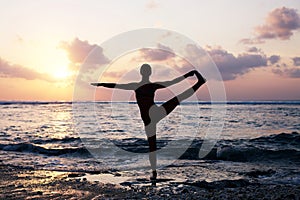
(170, 105)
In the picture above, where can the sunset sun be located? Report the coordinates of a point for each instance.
(61, 73)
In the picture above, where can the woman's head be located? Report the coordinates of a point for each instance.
(145, 70)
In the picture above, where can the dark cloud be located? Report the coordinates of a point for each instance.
(18, 71)
(232, 66)
(280, 65)
(195, 52)
(280, 24)
(161, 53)
(285, 70)
(296, 61)
(78, 51)
(288, 72)
(253, 50)
(274, 59)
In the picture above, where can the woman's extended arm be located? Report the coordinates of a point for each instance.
(176, 80)
(128, 86)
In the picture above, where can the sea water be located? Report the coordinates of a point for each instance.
(69, 136)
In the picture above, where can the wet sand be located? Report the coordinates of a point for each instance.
(28, 183)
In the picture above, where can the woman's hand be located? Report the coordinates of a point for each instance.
(191, 73)
(96, 84)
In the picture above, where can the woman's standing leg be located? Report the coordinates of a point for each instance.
(151, 136)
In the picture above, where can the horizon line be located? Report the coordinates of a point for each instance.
(6, 102)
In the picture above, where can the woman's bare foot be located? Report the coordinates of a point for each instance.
(200, 77)
(154, 175)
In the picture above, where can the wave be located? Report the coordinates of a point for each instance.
(56, 140)
(256, 154)
(284, 147)
(274, 148)
(32, 148)
(138, 145)
(244, 154)
(288, 139)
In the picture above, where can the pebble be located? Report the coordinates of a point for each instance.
(118, 174)
(74, 175)
(19, 186)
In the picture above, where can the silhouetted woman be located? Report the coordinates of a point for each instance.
(151, 114)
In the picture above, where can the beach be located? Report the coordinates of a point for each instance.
(18, 183)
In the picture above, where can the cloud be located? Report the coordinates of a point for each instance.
(78, 51)
(232, 66)
(251, 41)
(281, 23)
(87, 59)
(274, 59)
(253, 50)
(160, 54)
(229, 65)
(284, 70)
(151, 5)
(19, 39)
(296, 61)
(288, 72)
(18, 71)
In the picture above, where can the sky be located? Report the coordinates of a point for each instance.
(254, 44)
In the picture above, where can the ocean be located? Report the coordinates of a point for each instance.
(91, 136)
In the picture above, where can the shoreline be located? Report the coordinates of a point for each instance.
(20, 183)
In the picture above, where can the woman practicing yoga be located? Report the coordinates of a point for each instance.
(151, 114)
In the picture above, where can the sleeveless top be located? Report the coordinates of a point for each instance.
(145, 99)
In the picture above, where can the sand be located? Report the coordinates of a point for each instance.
(28, 183)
